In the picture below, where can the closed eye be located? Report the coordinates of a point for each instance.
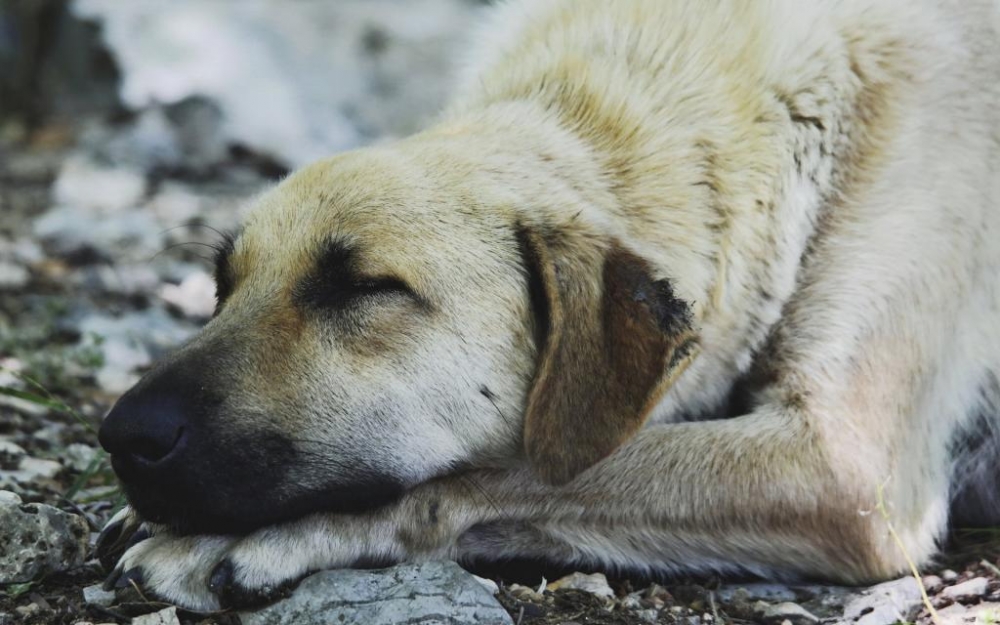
(334, 283)
(338, 293)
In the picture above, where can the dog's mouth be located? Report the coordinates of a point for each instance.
(238, 508)
(233, 484)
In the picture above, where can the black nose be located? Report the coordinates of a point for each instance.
(144, 427)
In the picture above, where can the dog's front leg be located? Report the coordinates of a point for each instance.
(209, 572)
(755, 493)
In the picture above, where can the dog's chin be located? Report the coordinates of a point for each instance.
(223, 513)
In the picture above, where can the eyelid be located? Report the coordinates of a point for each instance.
(341, 294)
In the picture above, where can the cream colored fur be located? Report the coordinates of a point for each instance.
(819, 180)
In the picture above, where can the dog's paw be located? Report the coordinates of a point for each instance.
(175, 569)
(123, 530)
(208, 573)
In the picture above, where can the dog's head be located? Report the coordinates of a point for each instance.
(386, 317)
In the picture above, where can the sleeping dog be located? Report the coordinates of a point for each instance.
(673, 286)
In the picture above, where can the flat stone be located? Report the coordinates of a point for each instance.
(428, 593)
(13, 276)
(756, 592)
(36, 539)
(955, 614)
(96, 595)
(11, 455)
(975, 587)
(595, 584)
(886, 603)
(788, 612)
(167, 616)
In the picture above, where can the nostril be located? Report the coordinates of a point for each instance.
(154, 449)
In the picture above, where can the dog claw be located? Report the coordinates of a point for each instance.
(117, 536)
(140, 535)
(104, 548)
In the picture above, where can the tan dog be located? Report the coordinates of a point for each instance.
(676, 286)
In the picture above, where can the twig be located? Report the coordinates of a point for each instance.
(884, 511)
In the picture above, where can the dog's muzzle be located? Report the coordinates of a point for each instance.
(187, 461)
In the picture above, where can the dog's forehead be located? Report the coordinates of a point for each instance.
(379, 205)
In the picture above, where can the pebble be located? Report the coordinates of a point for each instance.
(78, 456)
(96, 595)
(595, 584)
(949, 575)
(13, 277)
(194, 296)
(84, 184)
(431, 592)
(11, 455)
(932, 583)
(37, 539)
(167, 616)
(886, 603)
(488, 584)
(788, 612)
(969, 589)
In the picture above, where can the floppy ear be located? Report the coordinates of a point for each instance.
(610, 335)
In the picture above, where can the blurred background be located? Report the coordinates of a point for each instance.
(131, 135)
(131, 132)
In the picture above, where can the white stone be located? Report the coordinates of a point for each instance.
(36, 540)
(595, 584)
(96, 595)
(85, 184)
(167, 616)
(886, 603)
(431, 592)
(975, 587)
(194, 296)
(13, 276)
(788, 612)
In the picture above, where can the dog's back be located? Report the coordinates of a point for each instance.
(894, 193)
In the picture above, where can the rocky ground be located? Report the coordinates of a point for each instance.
(116, 179)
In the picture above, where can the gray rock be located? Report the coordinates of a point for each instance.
(78, 456)
(788, 611)
(167, 616)
(13, 276)
(886, 603)
(96, 595)
(194, 296)
(97, 188)
(36, 539)
(932, 583)
(11, 455)
(432, 593)
(756, 592)
(975, 587)
(955, 614)
(132, 341)
(595, 584)
(30, 470)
